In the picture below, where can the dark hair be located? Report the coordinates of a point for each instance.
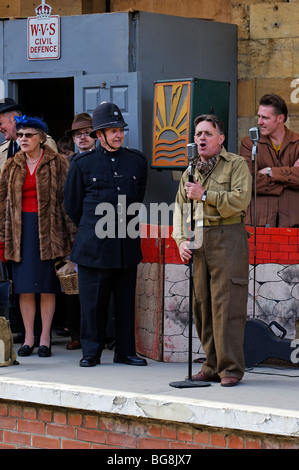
(278, 103)
(214, 120)
(65, 143)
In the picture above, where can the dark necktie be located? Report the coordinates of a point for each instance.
(16, 147)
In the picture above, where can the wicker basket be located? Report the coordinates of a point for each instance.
(69, 282)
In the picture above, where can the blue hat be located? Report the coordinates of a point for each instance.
(28, 121)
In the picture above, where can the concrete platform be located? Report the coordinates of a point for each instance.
(266, 401)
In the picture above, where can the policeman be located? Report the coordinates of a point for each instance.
(100, 187)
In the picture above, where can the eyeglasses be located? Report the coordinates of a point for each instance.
(82, 134)
(28, 135)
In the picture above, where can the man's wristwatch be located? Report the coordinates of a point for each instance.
(268, 170)
(204, 196)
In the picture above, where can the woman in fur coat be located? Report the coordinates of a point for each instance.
(34, 228)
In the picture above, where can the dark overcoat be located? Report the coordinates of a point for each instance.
(99, 191)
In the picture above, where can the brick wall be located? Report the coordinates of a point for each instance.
(273, 245)
(24, 425)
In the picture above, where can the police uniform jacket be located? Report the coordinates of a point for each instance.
(99, 189)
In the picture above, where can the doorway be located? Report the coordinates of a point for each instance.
(49, 98)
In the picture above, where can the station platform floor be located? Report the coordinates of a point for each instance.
(266, 401)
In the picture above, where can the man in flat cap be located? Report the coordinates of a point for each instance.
(8, 110)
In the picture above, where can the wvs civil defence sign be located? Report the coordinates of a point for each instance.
(43, 37)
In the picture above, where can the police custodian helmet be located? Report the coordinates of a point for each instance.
(106, 115)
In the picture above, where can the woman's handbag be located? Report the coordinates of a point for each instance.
(7, 352)
(5, 291)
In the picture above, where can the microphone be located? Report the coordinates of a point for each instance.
(192, 154)
(254, 135)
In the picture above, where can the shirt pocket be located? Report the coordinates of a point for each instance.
(220, 182)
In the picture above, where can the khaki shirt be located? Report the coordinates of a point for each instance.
(228, 186)
(4, 149)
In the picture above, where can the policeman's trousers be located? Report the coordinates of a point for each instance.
(221, 268)
(95, 288)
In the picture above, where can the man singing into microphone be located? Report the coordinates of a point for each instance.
(222, 183)
(277, 167)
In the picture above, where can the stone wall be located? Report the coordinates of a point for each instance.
(268, 46)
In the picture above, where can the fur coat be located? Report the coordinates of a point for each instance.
(56, 231)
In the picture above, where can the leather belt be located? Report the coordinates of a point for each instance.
(228, 221)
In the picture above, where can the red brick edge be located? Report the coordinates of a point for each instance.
(24, 425)
(273, 245)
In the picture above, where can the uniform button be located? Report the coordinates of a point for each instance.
(134, 177)
(115, 173)
(94, 179)
(118, 188)
(113, 159)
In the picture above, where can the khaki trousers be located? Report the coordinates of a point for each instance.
(220, 280)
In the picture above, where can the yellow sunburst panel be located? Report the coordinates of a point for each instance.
(171, 123)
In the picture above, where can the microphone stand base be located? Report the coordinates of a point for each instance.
(188, 383)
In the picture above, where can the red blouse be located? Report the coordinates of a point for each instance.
(29, 194)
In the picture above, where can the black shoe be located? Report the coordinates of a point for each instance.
(44, 351)
(19, 338)
(89, 361)
(130, 360)
(25, 350)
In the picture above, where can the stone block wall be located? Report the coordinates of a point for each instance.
(268, 45)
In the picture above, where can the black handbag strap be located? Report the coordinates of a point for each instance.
(3, 272)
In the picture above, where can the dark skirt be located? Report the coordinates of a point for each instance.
(32, 275)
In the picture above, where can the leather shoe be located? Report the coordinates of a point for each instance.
(73, 345)
(130, 360)
(229, 381)
(44, 351)
(202, 376)
(89, 361)
(25, 350)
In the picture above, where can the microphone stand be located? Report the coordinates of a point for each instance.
(189, 383)
(253, 159)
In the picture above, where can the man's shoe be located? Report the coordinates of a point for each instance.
(73, 345)
(130, 360)
(229, 381)
(202, 376)
(89, 361)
